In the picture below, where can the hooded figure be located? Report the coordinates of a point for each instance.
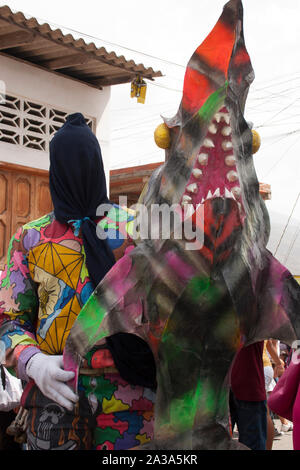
(78, 187)
(53, 266)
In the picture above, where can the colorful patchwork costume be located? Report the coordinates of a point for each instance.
(42, 290)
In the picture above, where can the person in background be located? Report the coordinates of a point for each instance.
(271, 370)
(278, 365)
(285, 354)
(247, 401)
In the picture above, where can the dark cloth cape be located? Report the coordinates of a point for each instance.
(78, 188)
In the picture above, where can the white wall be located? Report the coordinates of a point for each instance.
(38, 85)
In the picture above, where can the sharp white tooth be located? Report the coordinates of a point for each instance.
(202, 200)
(232, 176)
(236, 191)
(192, 188)
(192, 210)
(217, 192)
(230, 160)
(209, 195)
(197, 173)
(226, 131)
(186, 198)
(226, 145)
(226, 118)
(213, 129)
(222, 117)
(228, 194)
(218, 117)
(208, 143)
(203, 158)
(188, 210)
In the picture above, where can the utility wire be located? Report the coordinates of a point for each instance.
(282, 156)
(271, 85)
(89, 36)
(297, 232)
(72, 30)
(164, 86)
(287, 224)
(279, 112)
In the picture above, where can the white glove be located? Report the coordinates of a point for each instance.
(49, 376)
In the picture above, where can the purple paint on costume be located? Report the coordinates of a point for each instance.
(182, 269)
(70, 365)
(278, 273)
(17, 278)
(127, 442)
(24, 357)
(31, 238)
(120, 282)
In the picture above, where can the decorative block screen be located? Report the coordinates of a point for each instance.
(31, 124)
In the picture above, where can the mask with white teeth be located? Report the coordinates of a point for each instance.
(195, 309)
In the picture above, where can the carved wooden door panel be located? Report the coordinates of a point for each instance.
(22, 200)
(24, 196)
(5, 214)
(42, 197)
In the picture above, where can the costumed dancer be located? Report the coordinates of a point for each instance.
(53, 265)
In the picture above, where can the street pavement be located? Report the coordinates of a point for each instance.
(284, 442)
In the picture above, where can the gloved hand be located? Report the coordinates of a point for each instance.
(50, 377)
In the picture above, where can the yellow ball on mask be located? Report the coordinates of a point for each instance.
(256, 141)
(162, 136)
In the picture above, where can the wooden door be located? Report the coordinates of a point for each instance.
(24, 196)
(42, 200)
(5, 213)
(22, 200)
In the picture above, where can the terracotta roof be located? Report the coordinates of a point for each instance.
(265, 191)
(51, 49)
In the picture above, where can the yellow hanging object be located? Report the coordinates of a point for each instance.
(162, 136)
(256, 141)
(138, 89)
(133, 91)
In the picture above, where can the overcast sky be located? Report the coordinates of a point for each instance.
(163, 34)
